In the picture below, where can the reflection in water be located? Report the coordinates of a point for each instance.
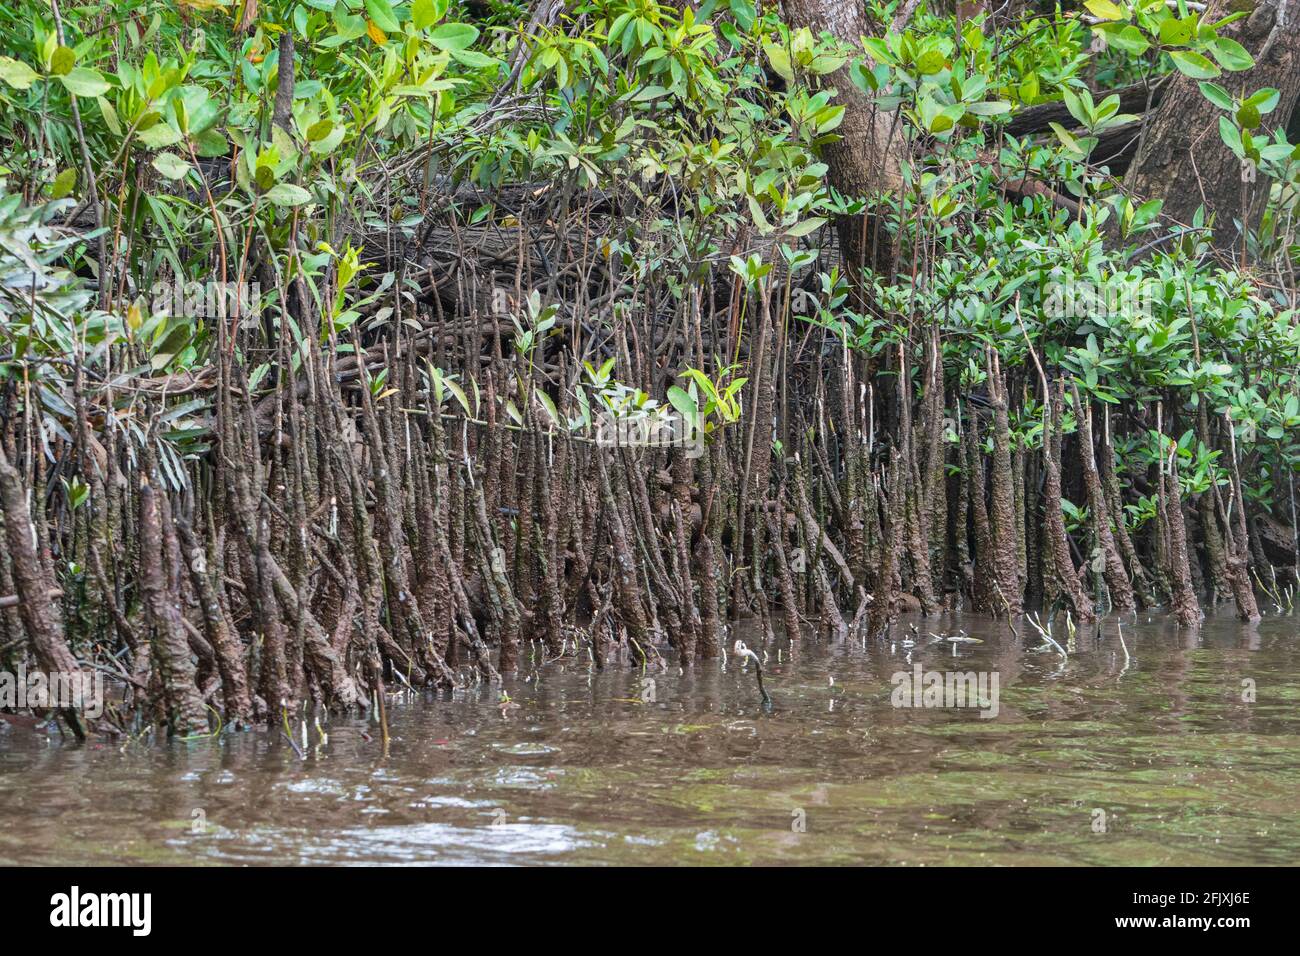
(604, 767)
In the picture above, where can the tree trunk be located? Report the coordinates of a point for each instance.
(865, 161)
(1057, 540)
(40, 617)
(1005, 563)
(186, 715)
(1117, 579)
(1182, 159)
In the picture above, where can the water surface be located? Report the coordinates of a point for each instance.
(602, 767)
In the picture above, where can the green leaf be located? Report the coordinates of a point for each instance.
(1217, 95)
(84, 81)
(473, 59)
(171, 165)
(1106, 10)
(211, 143)
(931, 61)
(1231, 138)
(16, 73)
(1067, 140)
(458, 393)
(63, 183)
(454, 36)
(779, 58)
(63, 60)
(1276, 152)
(287, 194)
(805, 227)
(1127, 38)
(110, 116)
(937, 119)
(1194, 65)
(1264, 100)
(160, 135)
(649, 93)
(1231, 54)
(686, 406)
(989, 108)
(423, 14)
(323, 147)
(1175, 32)
(382, 14)
(319, 130)
(745, 13)
(548, 403)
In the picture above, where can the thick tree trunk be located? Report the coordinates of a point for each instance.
(865, 161)
(1058, 541)
(40, 617)
(1185, 606)
(1005, 562)
(1182, 158)
(186, 715)
(1117, 579)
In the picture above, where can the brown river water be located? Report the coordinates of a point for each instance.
(1141, 751)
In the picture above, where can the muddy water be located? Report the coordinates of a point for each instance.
(602, 767)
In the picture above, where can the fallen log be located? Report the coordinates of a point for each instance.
(1039, 119)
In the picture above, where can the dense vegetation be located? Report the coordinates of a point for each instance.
(317, 318)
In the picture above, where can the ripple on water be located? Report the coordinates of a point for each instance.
(1154, 731)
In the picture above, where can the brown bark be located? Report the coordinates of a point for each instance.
(459, 600)
(934, 488)
(1115, 503)
(1005, 559)
(884, 608)
(831, 619)
(41, 620)
(216, 625)
(681, 508)
(1236, 543)
(631, 608)
(1117, 580)
(1058, 543)
(784, 578)
(961, 518)
(983, 576)
(282, 115)
(185, 711)
(1185, 606)
(1182, 158)
(865, 161)
(408, 623)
